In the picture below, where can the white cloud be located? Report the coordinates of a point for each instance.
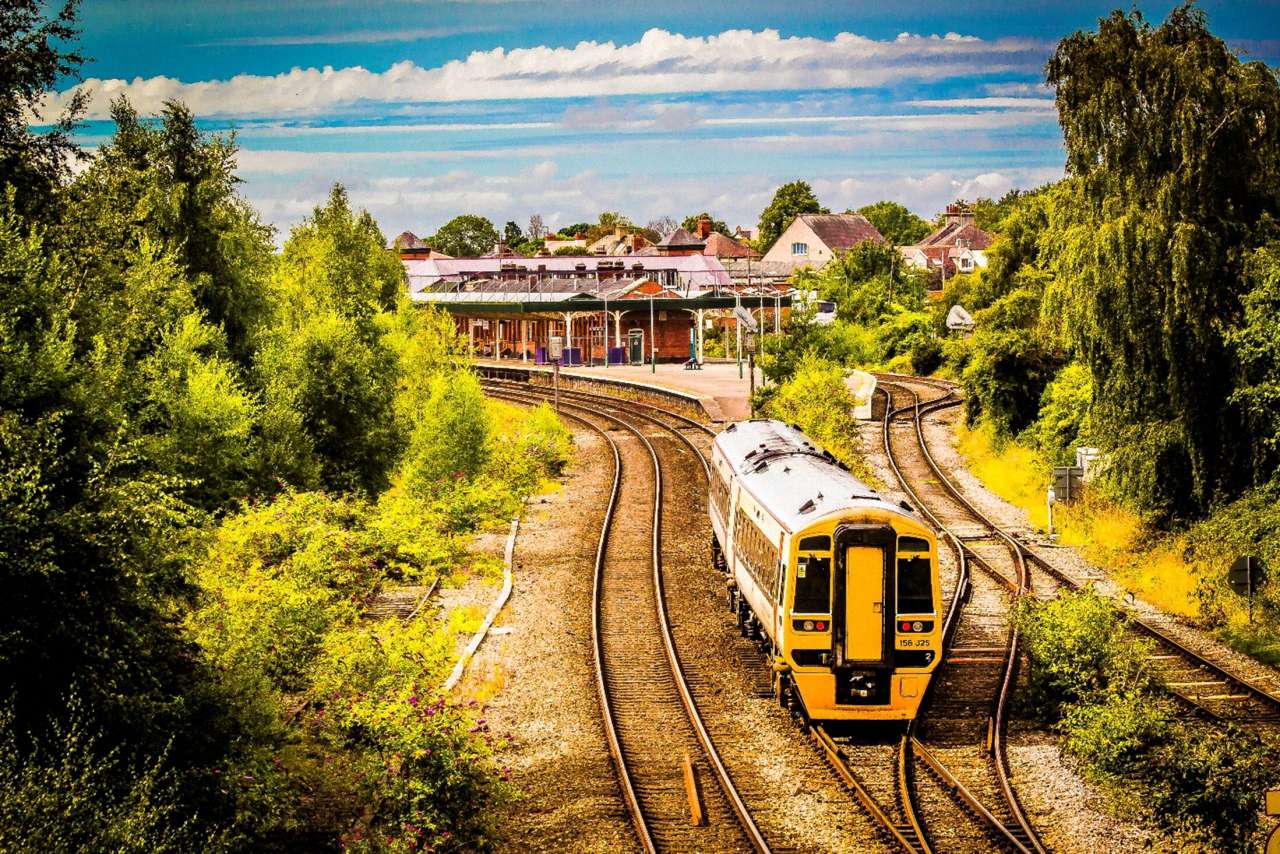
(1018, 89)
(660, 62)
(927, 194)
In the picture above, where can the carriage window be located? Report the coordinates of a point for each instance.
(815, 544)
(912, 544)
(813, 585)
(915, 586)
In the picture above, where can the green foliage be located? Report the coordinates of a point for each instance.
(898, 225)
(690, 223)
(1063, 422)
(1249, 525)
(1209, 784)
(466, 236)
(39, 53)
(450, 438)
(1079, 649)
(571, 250)
(816, 400)
(67, 792)
(1150, 234)
(789, 201)
(1113, 735)
(1256, 344)
(351, 741)
(1009, 362)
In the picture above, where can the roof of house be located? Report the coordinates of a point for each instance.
(722, 246)
(842, 231)
(954, 232)
(681, 238)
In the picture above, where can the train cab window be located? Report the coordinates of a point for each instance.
(815, 544)
(915, 586)
(813, 585)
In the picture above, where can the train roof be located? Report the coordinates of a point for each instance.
(794, 478)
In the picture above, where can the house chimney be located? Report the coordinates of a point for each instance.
(959, 215)
(704, 227)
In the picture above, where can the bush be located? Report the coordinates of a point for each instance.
(817, 401)
(926, 355)
(1079, 649)
(66, 792)
(1063, 422)
(1113, 735)
(1209, 784)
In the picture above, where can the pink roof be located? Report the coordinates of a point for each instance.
(698, 270)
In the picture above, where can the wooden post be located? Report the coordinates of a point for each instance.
(696, 817)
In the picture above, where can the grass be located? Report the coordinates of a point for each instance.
(1109, 536)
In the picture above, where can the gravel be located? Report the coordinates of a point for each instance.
(541, 668)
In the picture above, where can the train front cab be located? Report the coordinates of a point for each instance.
(851, 657)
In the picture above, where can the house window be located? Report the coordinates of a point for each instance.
(799, 248)
(966, 265)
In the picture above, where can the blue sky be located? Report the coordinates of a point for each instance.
(508, 108)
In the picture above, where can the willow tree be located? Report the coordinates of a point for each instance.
(1173, 146)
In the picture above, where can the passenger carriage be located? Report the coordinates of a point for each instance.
(838, 585)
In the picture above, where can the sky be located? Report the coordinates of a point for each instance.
(508, 108)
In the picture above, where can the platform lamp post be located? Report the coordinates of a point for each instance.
(653, 342)
(606, 331)
(737, 328)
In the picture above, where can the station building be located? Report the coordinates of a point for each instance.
(626, 309)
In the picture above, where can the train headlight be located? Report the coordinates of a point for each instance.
(917, 626)
(808, 625)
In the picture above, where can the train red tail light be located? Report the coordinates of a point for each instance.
(906, 627)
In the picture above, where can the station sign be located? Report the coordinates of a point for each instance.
(555, 347)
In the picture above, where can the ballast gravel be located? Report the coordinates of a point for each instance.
(545, 712)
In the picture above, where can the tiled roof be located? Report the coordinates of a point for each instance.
(680, 237)
(953, 232)
(726, 247)
(842, 231)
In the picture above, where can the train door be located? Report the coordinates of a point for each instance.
(861, 585)
(864, 603)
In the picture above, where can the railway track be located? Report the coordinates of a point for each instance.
(1212, 688)
(877, 771)
(963, 799)
(724, 670)
(651, 719)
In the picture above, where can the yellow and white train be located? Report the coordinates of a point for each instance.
(839, 586)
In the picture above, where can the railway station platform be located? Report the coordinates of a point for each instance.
(716, 387)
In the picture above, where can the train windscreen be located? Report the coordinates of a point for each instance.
(813, 585)
(915, 586)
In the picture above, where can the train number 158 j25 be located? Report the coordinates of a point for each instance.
(906, 642)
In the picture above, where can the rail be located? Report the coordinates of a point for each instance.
(747, 822)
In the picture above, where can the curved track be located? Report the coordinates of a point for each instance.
(1213, 688)
(967, 758)
(646, 702)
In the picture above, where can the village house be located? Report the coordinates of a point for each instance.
(958, 246)
(812, 240)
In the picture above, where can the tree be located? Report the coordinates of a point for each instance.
(898, 225)
(37, 53)
(663, 225)
(511, 234)
(690, 223)
(175, 186)
(1150, 237)
(569, 232)
(466, 236)
(537, 228)
(790, 201)
(571, 250)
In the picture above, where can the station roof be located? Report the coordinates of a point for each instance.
(694, 271)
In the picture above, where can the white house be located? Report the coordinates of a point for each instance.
(814, 239)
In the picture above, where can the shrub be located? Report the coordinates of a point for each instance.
(1111, 736)
(1064, 414)
(1079, 649)
(817, 401)
(66, 792)
(1209, 783)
